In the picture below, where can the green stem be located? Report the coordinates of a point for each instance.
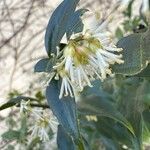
(80, 145)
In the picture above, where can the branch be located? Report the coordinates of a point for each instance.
(20, 29)
(17, 100)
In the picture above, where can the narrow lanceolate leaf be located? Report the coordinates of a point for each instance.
(113, 135)
(75, 24)
(145, 44)
(64, 141)
(57, 24)
(95, 105)
(135, 117)
(132, 106)
(132, 55)
(64, 109)
(43, 65)
(145, 72)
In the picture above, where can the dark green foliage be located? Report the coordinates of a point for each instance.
(11, 135)
(64, 109)
(131, 55)
(18, 135)
(75, 24)
(95, 105)
(145, 72)
(128, 11)
(44, 65)
(64, 141)
(58, 24)
(136, 54)
(119, 33)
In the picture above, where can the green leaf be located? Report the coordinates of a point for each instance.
(144, 93)
(95, 101)
(145, 44)
(108, 132)
(146, 129)
(23, 129)
(85, 143)
(75, 24)
(11, 135)
(64, 109)
(136, 54)
(113, 135)
(39, 96)
(96, 90)
(57, 24)
(10, 147)
(119, 33)
(64, 141)
(132, 55)
(131, 105)
(110, 144)
(145, 72)
(44, 65)
(13, 93)
(128, 12)
(33, 143)
(95, 105)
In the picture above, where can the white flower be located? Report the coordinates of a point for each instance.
(53, 123)
(91, 118)
(24, 106)
(42, 125)
(40, 131)
(44, 121)
(51, 144)
(66, 85)
(86, 57)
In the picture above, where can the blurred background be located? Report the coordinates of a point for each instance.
(22, 30)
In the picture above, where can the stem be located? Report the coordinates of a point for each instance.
(80, 145)
(40, 105)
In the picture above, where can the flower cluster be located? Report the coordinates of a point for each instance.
(43, 121)
(42, 126)
(86, 57)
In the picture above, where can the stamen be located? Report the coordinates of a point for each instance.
(61, 89)
(86, 77)
(66, 85)
(79, 79)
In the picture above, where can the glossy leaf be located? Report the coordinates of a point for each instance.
(132, 106)
(57, 24)
(132, 55)
(64, 141)
(145, 44)
(75, 24)
(43, 65)
(64, 109)
(108, 132)
(145, 72)
(113, 134)
(96, 105)
(146, 129)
